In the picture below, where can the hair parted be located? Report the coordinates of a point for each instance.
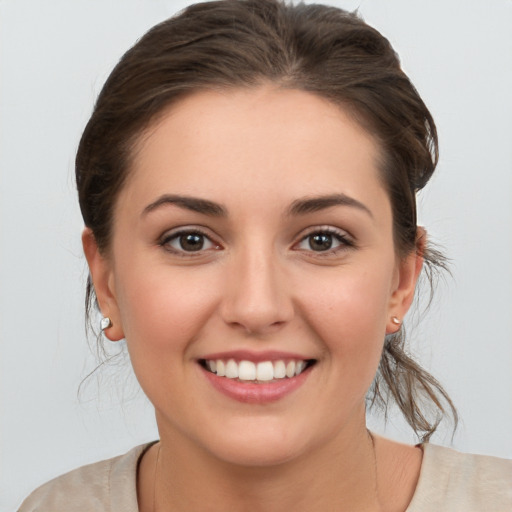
(245, 43)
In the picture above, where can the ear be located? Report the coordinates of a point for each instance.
(408, 271)
(102, 276)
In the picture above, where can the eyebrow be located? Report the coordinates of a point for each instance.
(298, 207)
(190, 203)
(315, 204)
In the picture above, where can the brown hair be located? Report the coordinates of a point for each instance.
(244, 43)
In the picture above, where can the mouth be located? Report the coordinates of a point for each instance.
(261, 372)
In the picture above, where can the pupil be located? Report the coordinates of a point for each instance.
(191, 242)
(320, 242)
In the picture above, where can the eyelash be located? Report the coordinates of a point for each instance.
(345, 242)
(340, 236)
(166, 240)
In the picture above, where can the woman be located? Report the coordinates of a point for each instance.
(247, 182)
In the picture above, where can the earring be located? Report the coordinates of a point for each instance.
(105, 323)
(395, 320)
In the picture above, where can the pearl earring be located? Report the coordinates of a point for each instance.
(105, 323)
(395, 320)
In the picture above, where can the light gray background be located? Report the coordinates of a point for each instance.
(54, 57)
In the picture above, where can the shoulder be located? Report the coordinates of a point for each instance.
(106, 485)
(450, 480)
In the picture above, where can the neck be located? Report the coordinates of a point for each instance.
(340, 475)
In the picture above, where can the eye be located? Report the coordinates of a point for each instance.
(325, 240)
(187, 241)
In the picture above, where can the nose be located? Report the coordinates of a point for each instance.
(256, 298)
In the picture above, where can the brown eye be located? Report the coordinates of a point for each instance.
(187, 242)
(191, 242)
(320, 241)
(325, 240)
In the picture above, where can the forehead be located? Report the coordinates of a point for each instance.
(265, 143)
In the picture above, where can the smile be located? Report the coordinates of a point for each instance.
(263, 371)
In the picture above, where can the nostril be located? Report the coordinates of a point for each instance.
(257, 326)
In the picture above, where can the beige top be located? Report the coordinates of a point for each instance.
(449, 482)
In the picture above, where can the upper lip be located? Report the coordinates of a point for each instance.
(255, 357)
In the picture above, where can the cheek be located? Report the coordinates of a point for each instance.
(350, 317)
(351, 302)
(163, 309)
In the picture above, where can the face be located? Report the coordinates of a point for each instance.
(254, 236)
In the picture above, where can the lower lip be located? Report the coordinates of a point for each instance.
(252, 393)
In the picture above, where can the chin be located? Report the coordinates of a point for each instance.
(270, 445)
(262, 454)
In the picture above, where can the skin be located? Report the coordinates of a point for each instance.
(258, 284)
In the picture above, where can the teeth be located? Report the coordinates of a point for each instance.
(279, 370)
(246, 370)
(299, 367)
(290, 369)
(232, 369)
(263, 371)
(221, 369)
